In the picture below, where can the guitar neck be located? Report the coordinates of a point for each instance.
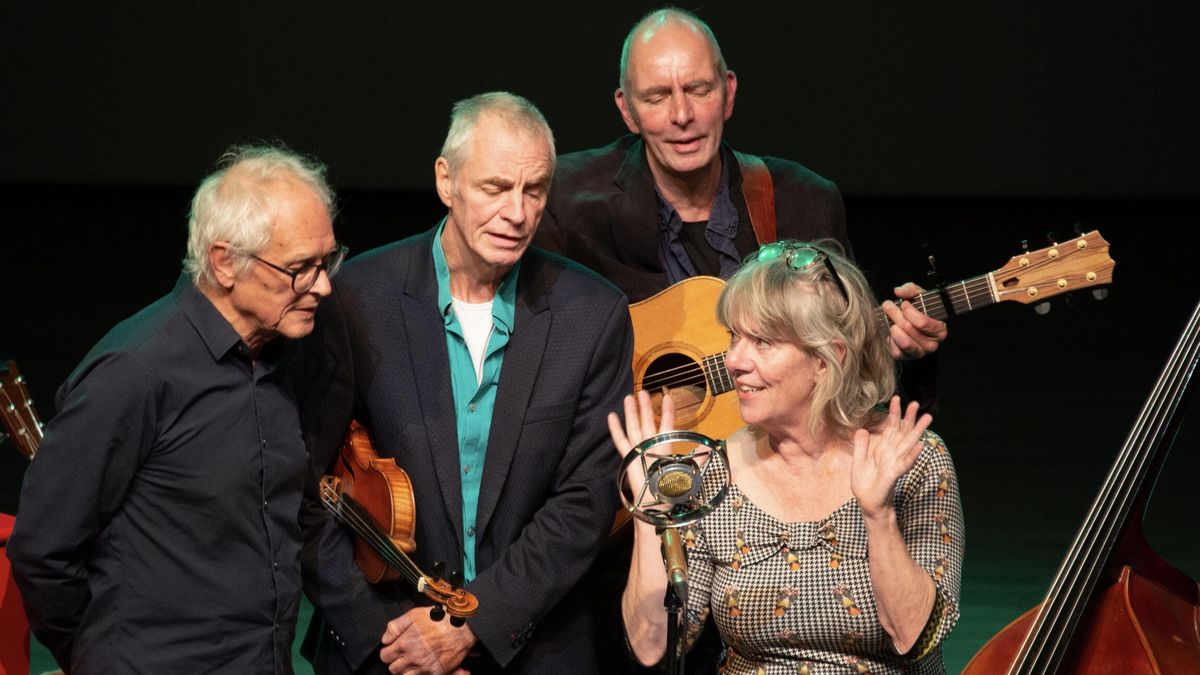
(17, 414)
(964, 296)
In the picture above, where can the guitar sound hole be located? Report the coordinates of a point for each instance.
(683, 377)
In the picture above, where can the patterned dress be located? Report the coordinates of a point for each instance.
(792, 598)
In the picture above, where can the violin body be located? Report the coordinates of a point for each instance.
(385, 491)
(374, 498)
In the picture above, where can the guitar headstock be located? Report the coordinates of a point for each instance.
(1082, 262)
(17, 412)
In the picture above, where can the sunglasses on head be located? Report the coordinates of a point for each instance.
(801, 256)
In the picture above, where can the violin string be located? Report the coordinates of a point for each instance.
(370, 533)
(382, 544)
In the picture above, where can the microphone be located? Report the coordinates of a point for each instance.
(674, 480)
(672, 493)
(676, 562)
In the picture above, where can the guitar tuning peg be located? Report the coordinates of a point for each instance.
(1099, 293)
(1069, 300)
(456, 578)
(1051, 238)
(1078, 227)
(439, 568)
(1042, 308)
(437, 612)
(1025, 245)
(458, 621)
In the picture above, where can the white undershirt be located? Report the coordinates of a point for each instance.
(475, 318)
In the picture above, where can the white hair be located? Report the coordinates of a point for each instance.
(237, 204)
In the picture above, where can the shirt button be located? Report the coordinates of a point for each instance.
(275, 565)
(470, 532)
(467, 469)
(471, 407)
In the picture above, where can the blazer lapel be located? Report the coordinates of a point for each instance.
(522, 362)
(635, 220)
(426, 335)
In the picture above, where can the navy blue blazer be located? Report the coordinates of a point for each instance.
(378, 354)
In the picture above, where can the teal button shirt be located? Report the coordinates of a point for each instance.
(473, 402)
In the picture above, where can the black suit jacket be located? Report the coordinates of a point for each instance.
(603, 212)
(548, 492)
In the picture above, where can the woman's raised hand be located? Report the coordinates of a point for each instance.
(639, 425)
(881, 458)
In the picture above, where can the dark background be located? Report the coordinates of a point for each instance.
(967, 128)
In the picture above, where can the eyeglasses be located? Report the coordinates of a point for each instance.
(304, 278)
(800, 256)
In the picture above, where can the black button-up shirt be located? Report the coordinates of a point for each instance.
(157, 529)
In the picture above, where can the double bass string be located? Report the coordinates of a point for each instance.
(1065, 602)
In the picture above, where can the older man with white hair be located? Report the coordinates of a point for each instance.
(157, 530)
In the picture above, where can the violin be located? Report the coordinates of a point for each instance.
(374, 498)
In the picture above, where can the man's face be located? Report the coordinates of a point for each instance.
(263, 299)
(496, 198)
(676, 100)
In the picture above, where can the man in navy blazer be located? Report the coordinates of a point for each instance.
(485, 368)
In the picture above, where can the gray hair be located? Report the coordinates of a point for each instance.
(648, 25)
(236, 204)
(769, 299)
(516, 111)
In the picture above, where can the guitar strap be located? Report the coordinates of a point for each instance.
(759, 192)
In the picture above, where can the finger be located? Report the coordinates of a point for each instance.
(862, 442)
(618, 434)
(668, 411)
(908, 291)
(646, 414)
(926, 330)
(633, 431)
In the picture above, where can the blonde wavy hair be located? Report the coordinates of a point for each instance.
(770, 299)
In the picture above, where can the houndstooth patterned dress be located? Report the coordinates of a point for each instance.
(796, 598)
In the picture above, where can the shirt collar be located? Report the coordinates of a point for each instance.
(503, 305)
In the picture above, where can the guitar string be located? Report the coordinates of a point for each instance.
(977, 288)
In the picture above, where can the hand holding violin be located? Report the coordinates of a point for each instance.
(416, 644)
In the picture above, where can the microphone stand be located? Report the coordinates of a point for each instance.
(675, 600)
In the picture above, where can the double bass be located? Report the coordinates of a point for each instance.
(1115, 606)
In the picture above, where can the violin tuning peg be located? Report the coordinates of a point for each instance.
(439, 568)
(1042, 308)
(458, 621)
(456, 578)
(1099, 293)
(437, 612)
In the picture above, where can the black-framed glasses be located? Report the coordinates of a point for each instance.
(304, 278)
(801, 256)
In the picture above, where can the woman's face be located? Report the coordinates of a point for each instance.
(774, 380)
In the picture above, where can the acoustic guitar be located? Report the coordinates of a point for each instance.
(678, 344)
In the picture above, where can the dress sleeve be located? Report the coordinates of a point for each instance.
(931, 522)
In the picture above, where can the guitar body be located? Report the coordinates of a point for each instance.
(676, 337)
